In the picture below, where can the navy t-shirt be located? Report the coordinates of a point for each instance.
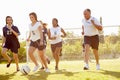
(10, 37)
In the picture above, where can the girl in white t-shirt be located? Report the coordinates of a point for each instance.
(54, 35)
(36, 41)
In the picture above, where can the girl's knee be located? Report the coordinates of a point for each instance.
(15, 56)
(3, 52)
(41, 55)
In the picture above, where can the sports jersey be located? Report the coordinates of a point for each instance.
(11, 40)
(89, 28)
(55, 32)
(35, 33)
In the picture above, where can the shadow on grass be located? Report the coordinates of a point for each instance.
(43, 75)
(40, 75)
(107, 72)
(7, 76)
(66, 73)
(111, 73)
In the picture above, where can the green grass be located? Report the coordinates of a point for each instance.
(69, 70)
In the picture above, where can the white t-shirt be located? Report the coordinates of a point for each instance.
(55, 32)
(35, 33)
(89, 28)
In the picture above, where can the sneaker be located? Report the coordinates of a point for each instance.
(97, 67)
(36, 68)
(8, 65)
(47, 70)
(86, 67)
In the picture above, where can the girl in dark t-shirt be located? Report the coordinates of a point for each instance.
(45, 34)
(10, 41)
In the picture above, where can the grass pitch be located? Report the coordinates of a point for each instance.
(68, 70)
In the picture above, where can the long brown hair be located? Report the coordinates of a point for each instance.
(7, 18)
(34, 14)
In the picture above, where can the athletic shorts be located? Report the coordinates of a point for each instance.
(37, 45)
(93, 41)
(12, 46)
(54, 46)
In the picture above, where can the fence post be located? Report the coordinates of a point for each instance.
(101, 33)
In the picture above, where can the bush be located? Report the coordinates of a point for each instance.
(72, 48)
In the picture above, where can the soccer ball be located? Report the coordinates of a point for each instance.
(25, 69)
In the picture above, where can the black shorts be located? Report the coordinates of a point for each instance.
(12, 46)
(54, 46)
(37, 45)
(93, 41)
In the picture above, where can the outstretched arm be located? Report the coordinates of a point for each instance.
(82, 30)
(28, 39)
(41, 35)
(64, 33)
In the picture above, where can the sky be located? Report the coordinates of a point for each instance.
(68, 12)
